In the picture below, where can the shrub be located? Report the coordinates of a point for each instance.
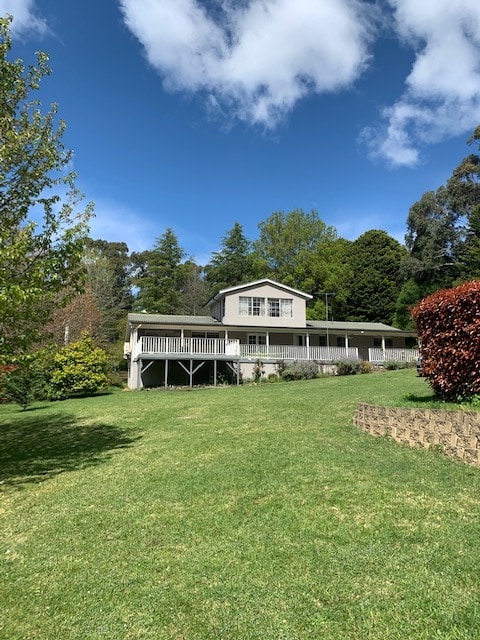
(24, 384)
(448, 326)
(347, 367)
(79, 368)
(365, 367)
(273, 377)
(258, 371)
(300, 370)
(393, 365)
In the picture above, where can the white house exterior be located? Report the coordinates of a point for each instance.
(262, 320)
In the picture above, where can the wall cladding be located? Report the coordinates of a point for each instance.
(457, 432)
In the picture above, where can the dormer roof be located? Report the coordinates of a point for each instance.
(250, 285)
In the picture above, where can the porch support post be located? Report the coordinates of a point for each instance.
(268, 343)
(215, 373)
(307, 343)
(166, 373)
(383, 349)
(139, 375)
(346, 344)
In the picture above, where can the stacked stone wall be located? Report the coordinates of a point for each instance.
(457, 433)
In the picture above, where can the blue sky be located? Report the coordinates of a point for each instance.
(194, 114)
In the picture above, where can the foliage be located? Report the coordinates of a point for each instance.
(42, 234)
(393, 365)
(365, 367)
(258, 371)
(160, 276)
(232, 265)
(79, 368)
(300, 370)
(347, 367)
(448, 326)
(24, 385)
(108, 267)
(287, 245)
(375, 260)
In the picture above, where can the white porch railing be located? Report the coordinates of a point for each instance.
(287, 352)
(187, 346)
(392, 355)
(211, 347)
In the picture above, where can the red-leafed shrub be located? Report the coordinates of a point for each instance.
(448, 326)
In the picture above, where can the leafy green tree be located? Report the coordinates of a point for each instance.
(375, 261)
(161, 276)
(409, 296)
(41, 233)
(79, 368)
(287, 245)
(108, 267)
(231, 265)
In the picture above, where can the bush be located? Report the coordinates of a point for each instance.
(347, 367)
(448, 326)
(24, 384)
(300, 370)
(365, 367)
(393, 365)
(79, 368)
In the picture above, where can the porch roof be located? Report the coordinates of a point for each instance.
(372, 328)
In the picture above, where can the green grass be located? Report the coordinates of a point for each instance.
(257, 512)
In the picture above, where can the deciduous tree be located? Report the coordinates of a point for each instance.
(42, 232)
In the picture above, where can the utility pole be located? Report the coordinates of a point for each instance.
(327, 294)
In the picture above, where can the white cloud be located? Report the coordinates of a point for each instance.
(442, 94)
(25, 17)
(256, 58)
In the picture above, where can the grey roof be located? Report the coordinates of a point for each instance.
(208, 321)
(334, 325)
(239, 287)
(157, 318)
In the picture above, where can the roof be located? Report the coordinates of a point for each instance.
(157, 318)
(249, 285)
(370, 327)
(209, 322)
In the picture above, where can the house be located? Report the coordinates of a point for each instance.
(262, 320)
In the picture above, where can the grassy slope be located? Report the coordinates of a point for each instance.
(240, 513)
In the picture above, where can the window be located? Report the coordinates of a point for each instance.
(205, 334)
(275, 308)
(257, 338)
(322, 341)
(377, 343)
(251, 306)
(340, 341)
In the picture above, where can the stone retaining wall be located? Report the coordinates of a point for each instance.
(456, 432)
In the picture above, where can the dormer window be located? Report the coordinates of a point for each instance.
(251, 306)
(274, 307)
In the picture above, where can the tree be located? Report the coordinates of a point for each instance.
(287, 245)
(41, 234)
(375, 261)
(160, 276)
(195, 290)
(108, 267)
(231, 265)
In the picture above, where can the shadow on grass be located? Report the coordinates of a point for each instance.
(34, 448)
(412, 397)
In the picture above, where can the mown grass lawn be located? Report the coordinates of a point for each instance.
(257, 512)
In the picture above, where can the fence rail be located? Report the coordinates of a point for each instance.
(211, 347)
(379, 356)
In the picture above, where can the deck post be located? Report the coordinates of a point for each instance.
(166, 373)
(215, 372)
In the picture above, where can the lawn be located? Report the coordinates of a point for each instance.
(256, 512)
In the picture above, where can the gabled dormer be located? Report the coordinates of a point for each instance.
(263, 303)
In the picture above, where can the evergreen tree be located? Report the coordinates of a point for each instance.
(231, 265)
(375, 261)
(161, 276)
